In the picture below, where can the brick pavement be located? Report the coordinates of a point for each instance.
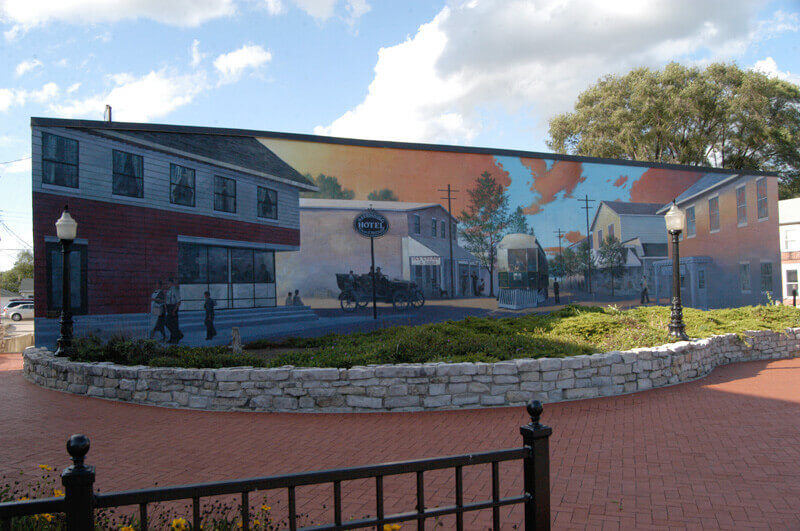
(721, 452)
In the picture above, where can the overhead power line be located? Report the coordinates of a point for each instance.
(13, 161)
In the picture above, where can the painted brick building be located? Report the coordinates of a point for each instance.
(730, 249)
(207, 206)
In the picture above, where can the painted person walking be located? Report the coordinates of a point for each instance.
(556, 288)
(173, 304)
(208, 305)
(645, 295)
(157, 312)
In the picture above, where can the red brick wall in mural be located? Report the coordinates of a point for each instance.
(130, 247)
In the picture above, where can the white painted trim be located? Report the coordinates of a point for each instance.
(238, 244)
(214, 162)
(59, 188)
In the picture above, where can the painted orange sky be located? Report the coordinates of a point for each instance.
(414, 175)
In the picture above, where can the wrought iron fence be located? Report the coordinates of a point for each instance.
(80, 500)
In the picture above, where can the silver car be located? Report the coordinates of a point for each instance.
(20, 312)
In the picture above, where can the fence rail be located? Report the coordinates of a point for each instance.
(80, 500)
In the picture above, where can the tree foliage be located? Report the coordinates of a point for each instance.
(720, 116)
(22, 268)
(485, 222)
(518, 223)
(611, 257)
(384, 194)
(329, 188)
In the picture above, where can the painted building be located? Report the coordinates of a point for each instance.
(642, 233)
(730, 250)
(416, 248)
(206, 206)
(789, 220)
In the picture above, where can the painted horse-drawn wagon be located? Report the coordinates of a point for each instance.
(356, 292)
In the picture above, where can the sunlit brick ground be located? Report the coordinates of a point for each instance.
(723, 451)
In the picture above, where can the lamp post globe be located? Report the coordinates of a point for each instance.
(675, 220)
(66, 230)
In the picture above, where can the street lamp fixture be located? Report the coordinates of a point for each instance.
(675, 221)
(66, 230)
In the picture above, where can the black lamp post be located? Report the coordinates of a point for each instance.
(675, 220)
(66, 229)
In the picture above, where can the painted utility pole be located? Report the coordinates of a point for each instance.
(450, 234)
(586, 207)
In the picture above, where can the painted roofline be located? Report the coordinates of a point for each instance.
(167, 128)
(663, 210)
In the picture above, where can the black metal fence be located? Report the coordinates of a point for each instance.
(80, 500)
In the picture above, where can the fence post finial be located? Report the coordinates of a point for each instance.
(535, 410)
(78, 481)
(78, 447)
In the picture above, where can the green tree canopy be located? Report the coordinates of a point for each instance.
(329, 188)
(382, 195)
(485, 221)
(720, 116)
(22, 268)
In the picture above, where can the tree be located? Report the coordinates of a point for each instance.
(485, 221)
(518, 223)
(22, 268)
(721, 116)
(329, 188)
(584, 260)
(611, 256)
(382, 195)
(557, 266)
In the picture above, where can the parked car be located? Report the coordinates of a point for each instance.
(17, 302)
(19, 312)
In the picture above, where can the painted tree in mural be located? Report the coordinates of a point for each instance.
(583, 261)
(485, 221)
(611, 257)
(329, 188)
(384, 194)
(719, 116)
(23, 268)
(518, 223)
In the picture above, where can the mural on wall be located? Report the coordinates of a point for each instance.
(546, 195)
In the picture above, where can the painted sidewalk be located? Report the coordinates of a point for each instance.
(721, 452)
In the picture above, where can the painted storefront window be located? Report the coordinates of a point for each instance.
(181, 185)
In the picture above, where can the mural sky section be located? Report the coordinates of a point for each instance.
(547, 190)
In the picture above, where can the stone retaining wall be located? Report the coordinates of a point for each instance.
(408, 387)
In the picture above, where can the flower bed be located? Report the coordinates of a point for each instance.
(408, 387)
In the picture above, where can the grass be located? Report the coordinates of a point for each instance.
(571, 331)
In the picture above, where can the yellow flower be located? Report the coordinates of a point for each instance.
(256, 522)
(127, 528)
(180, 524)
(58, 493)
(239, 524)
(265, 507)
(46, 467)
(23, 498)
(391, 527)
(47, 516)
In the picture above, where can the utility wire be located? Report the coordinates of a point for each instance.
(13, 161)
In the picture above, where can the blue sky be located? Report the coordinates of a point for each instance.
(474, 72)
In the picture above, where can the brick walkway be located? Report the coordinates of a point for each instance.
(722, 452)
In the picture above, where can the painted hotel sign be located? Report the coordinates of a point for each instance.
(371, 224)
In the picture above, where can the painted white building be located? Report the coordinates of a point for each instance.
(789, 226)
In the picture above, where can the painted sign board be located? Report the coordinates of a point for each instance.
(426, 260)
(371, 224)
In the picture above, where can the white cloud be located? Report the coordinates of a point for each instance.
(769, 67)
(138, 99)
(355, 10)
(197, 55)
(25, 14)
(232, 65)
(72, 88)
(26, 66)
(319, 9)
(534, 57)
(274, 7)
(18, 97)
